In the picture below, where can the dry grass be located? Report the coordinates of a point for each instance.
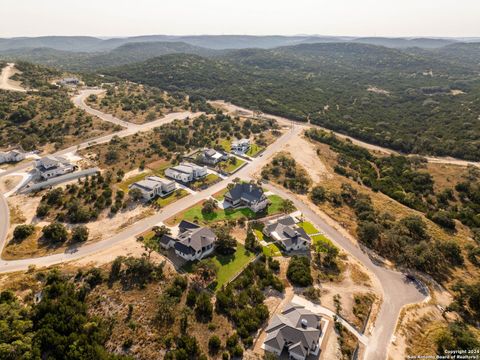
(358, 276)
(16, 215)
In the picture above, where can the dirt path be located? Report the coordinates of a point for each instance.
(5, 82)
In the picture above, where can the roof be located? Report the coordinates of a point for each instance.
(241, 142)
(192, 240)
(186, 168)
(286, 231)
(245, 191)
(186, 225)
(160, 180)
(51, 161)
(148, 185)
(165, 239)
(287, 328)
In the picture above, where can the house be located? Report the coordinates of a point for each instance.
(71, 81)
(186, 172)
(288, 234)
(246, 195)
(154, 186)
(192, 243)
(211, 156)
(51, 166)
(241, 146)
(11, 156)
(296, 330)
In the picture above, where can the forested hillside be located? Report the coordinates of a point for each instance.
(414, 103)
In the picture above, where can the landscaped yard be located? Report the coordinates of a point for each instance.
(228, 265)
(308, 227)
(231, 167)
(176, 195)
(226, 144)
(272, 250)
(254, 150)
(320, 238)
(205, 182)
(258, 234)
(195, 213)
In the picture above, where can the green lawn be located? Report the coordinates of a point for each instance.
(226, 144)
(272, 250)
(195, 213)
(206, 181)
(230, 168)
(275, 204)
(254, 150)
(308, 227)
(320, 238)
(228, 265)
(126, 183)
(176, 195)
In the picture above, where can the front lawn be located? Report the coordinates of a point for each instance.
(321, 239)
(228, 265)
(275, 204)
(272, 250)
(308, 227)
(176, 195)
(231, 167)
(254, 150)
(205, 182)
(259, 234)
(226, 144)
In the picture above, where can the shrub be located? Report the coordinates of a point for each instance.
(21, 232)
(298, 271)
(80, 234)
(55, 232)
(214, 344)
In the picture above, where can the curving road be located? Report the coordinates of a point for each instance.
(433, 159)
(5, 82)
(396, 291)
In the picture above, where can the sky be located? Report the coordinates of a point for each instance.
(447, 18)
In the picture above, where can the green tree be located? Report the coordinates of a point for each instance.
(55, 232)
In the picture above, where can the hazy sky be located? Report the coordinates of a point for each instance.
(325, 17)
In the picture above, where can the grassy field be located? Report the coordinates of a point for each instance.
(320, 238)
(272, 250)
(226, 144)
(254, 150)
(228, 265)
(308, 227)
(176, 195)
(194, 213)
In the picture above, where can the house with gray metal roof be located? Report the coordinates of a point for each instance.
(246, 195)
(192, 243)
(186, 172)
(211, 156)
(11, 156)
(51, 166)
(287, 234)
(296, 330)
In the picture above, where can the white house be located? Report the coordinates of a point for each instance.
(72, 81)
(296, 330)
(11, 156)
(192, 243)
(51, 166)
(154, 186)
(186, 172)
(241, 146)
(246, 195)
(287, 234)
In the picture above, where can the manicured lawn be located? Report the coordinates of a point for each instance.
(176, 195)
(126, 183)
(195, 213)
(220, 195)
(206, 181)
(271, 250)
(320, 238)
(254, 150)
(308, 227)
(275, 204)
(230, 168)
(228, 265)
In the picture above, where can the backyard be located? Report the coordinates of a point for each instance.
(228, 265)
(254, 150)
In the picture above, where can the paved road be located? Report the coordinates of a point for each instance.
(396, 291)
(433, 159)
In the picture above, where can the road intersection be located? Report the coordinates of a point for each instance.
(397, 292)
